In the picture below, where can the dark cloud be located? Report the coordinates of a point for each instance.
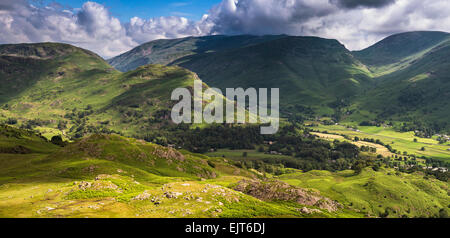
(8, 5)
(266, 16)
(362, 3)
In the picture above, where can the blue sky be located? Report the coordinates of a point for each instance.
(124, 10)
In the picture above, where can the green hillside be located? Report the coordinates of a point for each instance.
(309, 71)
(398, 47)
(415, 93)
(379, 194)
(402, 78)
(383, 158)
(48, 85)
(166, 51)
(114, 176)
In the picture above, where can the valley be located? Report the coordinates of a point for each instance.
(362, 133)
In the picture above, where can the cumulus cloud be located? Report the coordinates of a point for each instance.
(165, 28)
(266, 16)
(357, 24)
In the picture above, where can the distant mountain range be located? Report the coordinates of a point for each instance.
(401, 78)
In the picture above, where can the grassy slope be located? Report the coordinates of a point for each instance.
(127, 178)
(374, 193)
(167, 51)
(125, 175)
(57, 82)
(415, 86)
(398, 47)
(61, 83)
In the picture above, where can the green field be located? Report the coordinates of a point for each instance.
(401, 141)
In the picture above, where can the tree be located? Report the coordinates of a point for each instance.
(62, 125)
(57, 140)
(11, 121)
(261, 149)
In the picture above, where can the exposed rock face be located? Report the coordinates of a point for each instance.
(169, 153)
(277, 190)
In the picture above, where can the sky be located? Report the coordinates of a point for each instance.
(112, 27)
(125, 10)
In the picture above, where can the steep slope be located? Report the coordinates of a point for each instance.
(22, 66)
(167, 51)
(397, 47)
(398, 51)
(309, 71)
(53, 85)
(415, 93)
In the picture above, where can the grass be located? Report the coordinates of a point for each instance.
(115, 176)
(401, 141)
(49, 183)
(375, 193)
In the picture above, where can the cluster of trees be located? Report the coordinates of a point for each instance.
(213, 137)
(306, 152)
(77, 115)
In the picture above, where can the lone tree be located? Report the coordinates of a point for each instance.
(57, 140)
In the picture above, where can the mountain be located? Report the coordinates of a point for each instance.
(50, 85)
(310, 71)
(398, 47)
(166, 51)
(402, 79)
(414, 85)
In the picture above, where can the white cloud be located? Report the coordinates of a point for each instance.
(355, 24)
(164, 27)
(94, 28)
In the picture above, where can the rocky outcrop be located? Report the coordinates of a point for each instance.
(279, 191)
